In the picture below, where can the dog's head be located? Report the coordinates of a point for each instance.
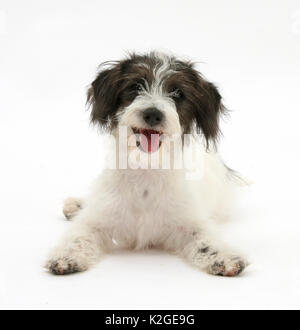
(155, 94)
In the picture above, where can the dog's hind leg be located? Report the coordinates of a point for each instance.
(71, 207)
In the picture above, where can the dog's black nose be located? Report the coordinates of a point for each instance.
(152, 116)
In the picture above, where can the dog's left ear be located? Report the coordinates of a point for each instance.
(209, 109)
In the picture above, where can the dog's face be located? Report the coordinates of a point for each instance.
(155, 95)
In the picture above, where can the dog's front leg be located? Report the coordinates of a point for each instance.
(79, 249)
(196, 247)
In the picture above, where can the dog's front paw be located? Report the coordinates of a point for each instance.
(71, 207)
(227, 266)
(64, 266)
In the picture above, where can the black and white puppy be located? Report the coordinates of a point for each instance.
(154, 97)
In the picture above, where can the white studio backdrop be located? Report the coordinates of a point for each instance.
(49, 54)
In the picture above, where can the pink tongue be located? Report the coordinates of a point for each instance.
(149, 143)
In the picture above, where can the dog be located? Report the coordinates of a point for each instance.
(153, 96)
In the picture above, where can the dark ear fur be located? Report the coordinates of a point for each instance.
(103, 97)
(209, 109)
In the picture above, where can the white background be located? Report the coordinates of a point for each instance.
(49, 54)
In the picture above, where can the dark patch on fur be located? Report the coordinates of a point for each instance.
(240, 267)
(204, 249)
(218, 268)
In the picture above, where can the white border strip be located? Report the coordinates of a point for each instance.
(2, 22)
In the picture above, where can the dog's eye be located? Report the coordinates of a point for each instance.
(136, 88)
(176, 93)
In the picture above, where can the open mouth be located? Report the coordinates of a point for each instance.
(148, 140)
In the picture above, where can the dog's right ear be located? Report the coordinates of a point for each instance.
(103, 96)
